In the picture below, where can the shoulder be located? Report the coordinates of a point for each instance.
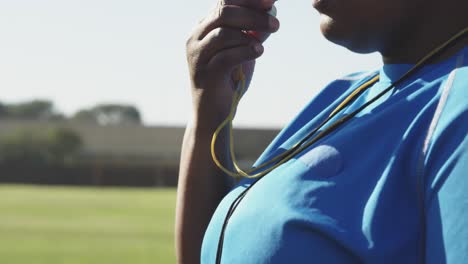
(330, 96)
(338, 88)
(445, 167)
(318, 108)
(445, 150)
(452, 110)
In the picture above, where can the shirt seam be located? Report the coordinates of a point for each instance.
(420, 171)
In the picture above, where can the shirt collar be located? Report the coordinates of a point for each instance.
(390, 73)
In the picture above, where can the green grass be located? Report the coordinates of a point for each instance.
(64, 225)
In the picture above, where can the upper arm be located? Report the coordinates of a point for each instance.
(446, 182)
(447, 210)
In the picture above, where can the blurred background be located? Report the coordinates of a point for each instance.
(94, 98)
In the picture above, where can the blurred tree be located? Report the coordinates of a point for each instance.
(30, 110)
(85, 116)
(23, 147)
(109, 114)
(63, 144)
(27, 147)
(3, 110)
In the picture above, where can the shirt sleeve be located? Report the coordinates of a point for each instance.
(446, 181)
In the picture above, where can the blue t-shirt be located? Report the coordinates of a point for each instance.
(390, 186)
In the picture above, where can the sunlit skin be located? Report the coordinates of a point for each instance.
(403, 31)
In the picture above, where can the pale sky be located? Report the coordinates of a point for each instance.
(78, 53)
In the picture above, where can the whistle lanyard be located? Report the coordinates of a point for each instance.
(310, 139)
(314, 136)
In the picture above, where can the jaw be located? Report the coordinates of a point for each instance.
(402, 31)
(356, 40)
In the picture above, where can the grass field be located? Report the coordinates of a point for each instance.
(64, 225)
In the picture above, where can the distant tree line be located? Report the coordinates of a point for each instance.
(44, 110)
(109, 114)
(57, 145)
(29, 147)
(30, 110)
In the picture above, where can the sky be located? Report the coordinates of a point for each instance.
(79, 53)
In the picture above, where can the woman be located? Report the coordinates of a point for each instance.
(390, 185)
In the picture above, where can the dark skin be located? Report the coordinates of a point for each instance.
(403, 31)
(214, 51)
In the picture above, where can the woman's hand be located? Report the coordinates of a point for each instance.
(218, 46)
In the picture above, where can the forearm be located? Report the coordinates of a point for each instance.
(217, 47)
(201, 187)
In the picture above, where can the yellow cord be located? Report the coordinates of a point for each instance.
(286, 156)
(228, 122)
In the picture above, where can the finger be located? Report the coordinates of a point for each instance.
(229, 58)
(256, 4)
(262, 36)
(221, 39)
(237, 17)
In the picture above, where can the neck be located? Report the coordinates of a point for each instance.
(429, 32)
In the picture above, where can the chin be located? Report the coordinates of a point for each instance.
(345, 35)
